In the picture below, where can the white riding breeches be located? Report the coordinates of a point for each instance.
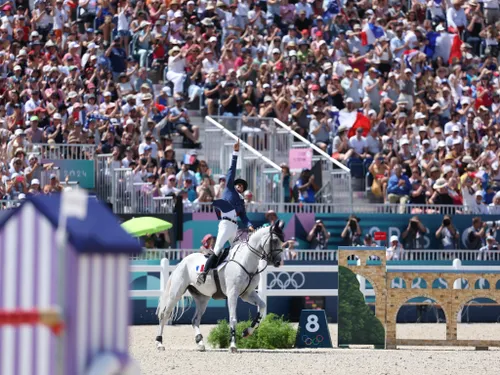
(227, 232)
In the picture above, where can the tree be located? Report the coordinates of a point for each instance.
(357, 324)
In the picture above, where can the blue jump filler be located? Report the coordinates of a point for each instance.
(313, 330)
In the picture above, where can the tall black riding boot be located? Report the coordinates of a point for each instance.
(210, 264)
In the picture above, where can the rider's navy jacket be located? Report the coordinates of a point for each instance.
(232, 196)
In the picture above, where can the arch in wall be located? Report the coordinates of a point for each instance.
(440, 283)
(398, 283)
(461, 283)
(418, 283)
(482, 283)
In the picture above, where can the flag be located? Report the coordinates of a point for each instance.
(347, 119)
(408, 55)
(332, 9)
(361, 121)
(371, 33)
(75, 203)
(444, 45)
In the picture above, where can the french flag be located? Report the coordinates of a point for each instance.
(444, 45)
(370, 34)
(354, 120)
(409, 55)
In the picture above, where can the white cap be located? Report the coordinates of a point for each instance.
(35, 33)
(35, 181)
(212, 39)
(447, 169)
(17, 67)
(422, 128)
(441, 144)
(21, 196)
(403, 142)
(74, 45)
(266, 86)
(106, 93)
(394, 238)
(479, 194)
(178, 14)
(276, 50)
(407, 70)
(57, 116)
(455, 128)
(419, 116)
(426, 142)
(130, 122)
(292, 53)
(349, 100)
(92, 45)
(440, 28)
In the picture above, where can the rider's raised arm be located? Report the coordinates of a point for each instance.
(232, 170)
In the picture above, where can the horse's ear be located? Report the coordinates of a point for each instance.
(281, 224)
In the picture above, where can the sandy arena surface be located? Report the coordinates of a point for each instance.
(180, 356)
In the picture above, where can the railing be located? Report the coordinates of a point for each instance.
(261, 173)
(425, 255)
(344, 208)
(103, 178)
(63, 151)
(260, 133)
(337, 185)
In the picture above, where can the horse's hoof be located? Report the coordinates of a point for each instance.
(247, 332)
(200, 347)
(233, 349)
(160, 347)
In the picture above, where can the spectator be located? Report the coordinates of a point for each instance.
(379, 171)
(359, 144)
(368, 240)
(488, 251)
(170, 188)
(396, 250)
(494, 207)
(184, 174)
(180, 118)
(271, 217)
(189, 188)
(352, 232)
(441, 194)
(219, 188)
(478, 207)
(318, 236)
(475, 234)
(205, 191)
(398, 187)
(306, 187)
(288, 249)
(414, 234)
(207, 245)
(448, 234)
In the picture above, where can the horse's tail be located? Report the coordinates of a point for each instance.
(180, 307)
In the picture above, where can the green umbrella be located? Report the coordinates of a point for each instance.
(140, 226)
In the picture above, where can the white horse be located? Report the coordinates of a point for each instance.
(239, 276)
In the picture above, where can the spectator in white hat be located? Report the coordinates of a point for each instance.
(395, 251)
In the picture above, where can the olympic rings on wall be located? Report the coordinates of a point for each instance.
(286, 280)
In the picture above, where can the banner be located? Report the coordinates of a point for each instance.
(300, 158)
(82, 171)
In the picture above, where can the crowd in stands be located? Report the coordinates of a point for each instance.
(406, 92)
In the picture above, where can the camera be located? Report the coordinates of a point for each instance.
(446, 222)
(414, 225)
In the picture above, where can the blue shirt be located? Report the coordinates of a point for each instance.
(232, 196)
(306, 196)
(393, 188)
(117, 58)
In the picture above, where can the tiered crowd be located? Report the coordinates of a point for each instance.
(121, 74)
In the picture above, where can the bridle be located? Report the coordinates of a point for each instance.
(269, 257)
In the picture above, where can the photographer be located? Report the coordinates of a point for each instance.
(352, 232)
(448, 234)
(318, 236)
(474, 234)
(413, 236)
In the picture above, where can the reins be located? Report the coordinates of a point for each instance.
(261, 256)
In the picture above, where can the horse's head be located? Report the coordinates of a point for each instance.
(272, 243)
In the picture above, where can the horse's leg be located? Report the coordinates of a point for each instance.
(172, 294)
(232, 301)
(201, 306)
(253, 298)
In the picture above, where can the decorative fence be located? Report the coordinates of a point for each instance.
(175, 255)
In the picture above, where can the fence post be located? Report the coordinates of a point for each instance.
(164, 273)
(262, 290)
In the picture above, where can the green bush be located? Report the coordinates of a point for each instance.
(273, 333)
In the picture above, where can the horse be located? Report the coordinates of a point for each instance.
(238, 276)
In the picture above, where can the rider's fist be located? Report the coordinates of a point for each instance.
(236, 146)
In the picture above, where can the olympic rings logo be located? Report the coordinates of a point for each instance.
(284, 280)
(312, 341)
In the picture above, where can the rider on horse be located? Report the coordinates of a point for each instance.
(228, 209)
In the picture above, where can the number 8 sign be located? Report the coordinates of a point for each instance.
(313, 330)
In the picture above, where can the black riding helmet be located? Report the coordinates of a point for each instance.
(242, 182)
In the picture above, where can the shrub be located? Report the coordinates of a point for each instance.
(273, 333)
